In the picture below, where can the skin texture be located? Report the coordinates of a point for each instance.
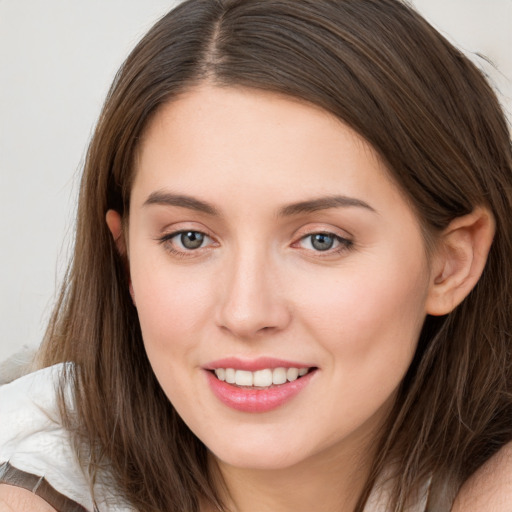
(490, 488)
(15, 499)
(260, 289)
(257, 287)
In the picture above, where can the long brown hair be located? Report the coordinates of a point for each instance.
(432, 117)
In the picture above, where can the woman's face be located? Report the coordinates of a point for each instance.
(266, 239)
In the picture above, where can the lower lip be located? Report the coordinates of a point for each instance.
(256, 400)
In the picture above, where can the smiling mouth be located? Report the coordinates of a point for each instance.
(260, 379)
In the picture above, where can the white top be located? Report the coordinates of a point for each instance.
(33, 442)
(35, 450)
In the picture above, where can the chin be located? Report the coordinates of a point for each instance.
(259, 462)
(269, 455)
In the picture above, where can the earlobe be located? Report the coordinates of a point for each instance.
(115, 225)
(459, 260)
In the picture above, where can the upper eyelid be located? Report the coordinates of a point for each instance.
(170, 232)
(322, 229)
(176, 232)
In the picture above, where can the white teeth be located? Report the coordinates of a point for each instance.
(221, 373)
(261, 378)
(243, 378)
(279, 376)
(230, 376)
(292, 374)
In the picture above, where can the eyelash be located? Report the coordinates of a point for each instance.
(166, 240)
(344, 244)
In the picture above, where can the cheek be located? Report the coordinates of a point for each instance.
(369, 319)
(173, 305)
(368, 325)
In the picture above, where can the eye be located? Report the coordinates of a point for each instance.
(186, 241)
(323, 242)
(190, 240)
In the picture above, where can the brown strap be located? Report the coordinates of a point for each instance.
(39, 486)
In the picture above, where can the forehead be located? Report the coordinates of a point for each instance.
(229, 142)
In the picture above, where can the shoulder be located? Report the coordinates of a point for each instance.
(490, 488)
(30, 414)
(34, 390)
(35, 448)
(15, 499)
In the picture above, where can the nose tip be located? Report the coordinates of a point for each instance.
(248, 324)
(252, 304)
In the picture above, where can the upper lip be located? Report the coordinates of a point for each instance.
(252, 365)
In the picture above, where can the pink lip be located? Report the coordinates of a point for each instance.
(254, 364)
(256, 400)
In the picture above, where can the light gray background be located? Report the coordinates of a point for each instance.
(57, 59)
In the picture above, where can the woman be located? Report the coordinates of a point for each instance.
(291, 282)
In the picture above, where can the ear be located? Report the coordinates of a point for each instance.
(115, 225)
(459, 260)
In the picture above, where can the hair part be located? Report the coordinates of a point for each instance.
(433, 119)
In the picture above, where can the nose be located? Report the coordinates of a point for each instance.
(252, 298)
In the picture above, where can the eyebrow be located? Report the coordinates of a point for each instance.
(302, 207)
(180, 200)
(323, 203)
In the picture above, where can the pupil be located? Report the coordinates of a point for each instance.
(192, 239)
(322, 242)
